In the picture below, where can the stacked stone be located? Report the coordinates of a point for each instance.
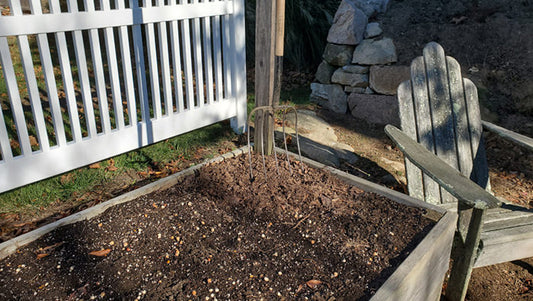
(356, 63)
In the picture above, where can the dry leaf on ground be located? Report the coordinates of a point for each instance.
(94, 166)
(100, 253)
(313, 283)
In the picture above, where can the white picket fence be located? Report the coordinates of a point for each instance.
(111, 76)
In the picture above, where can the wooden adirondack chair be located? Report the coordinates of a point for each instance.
(439, 109)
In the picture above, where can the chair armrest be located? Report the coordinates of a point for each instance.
(466, 191)
(507, 134)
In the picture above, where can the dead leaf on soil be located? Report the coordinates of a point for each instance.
(313, 283)
(100, 253)
(111, 168)
(65, 178)
(94, 166)
(33, 141)
(43, 252)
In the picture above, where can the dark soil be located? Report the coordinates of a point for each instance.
(218, 235)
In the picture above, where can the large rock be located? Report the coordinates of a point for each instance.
(331, 97)
(318, 140)
(377, 109)
(372, 7)
(338, 55)
(385, 79)
(324, 72)
(349, 79)
(373, 30)
(349, 24)
(372, 52)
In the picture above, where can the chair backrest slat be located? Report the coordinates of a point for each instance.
(440, 110)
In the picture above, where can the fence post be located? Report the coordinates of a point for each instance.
(239, 66)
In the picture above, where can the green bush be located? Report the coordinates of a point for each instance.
(307, 23)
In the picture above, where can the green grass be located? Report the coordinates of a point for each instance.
(71, 185)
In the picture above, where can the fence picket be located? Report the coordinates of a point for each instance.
(197, 48)
(127, 69)
(83, 75)
(66, 73)
(152, 63)
(176, 65)
(109, 37)
(31, 81)
(16, 104)
(48, 69)
(165, 72)
(5, 149)
(186, 44)
(9, 75)
(226, 41)
(208, 57)
(217, 50)
(141, 77)
(99, 76)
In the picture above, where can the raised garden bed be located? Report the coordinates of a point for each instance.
(208, 233)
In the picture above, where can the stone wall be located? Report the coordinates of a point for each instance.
(358, 72)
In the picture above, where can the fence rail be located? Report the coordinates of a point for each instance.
(82, 81)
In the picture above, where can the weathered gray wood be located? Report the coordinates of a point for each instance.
(407, 116)
(480, 173)
(458, 185)
(423, 122)
(440, 106)
(507, 251)
(420, 276)
(506, 221)
(505, 133)
(460, 117)
(497, 215)
(507, 235)
(264, 72)
(462, 267)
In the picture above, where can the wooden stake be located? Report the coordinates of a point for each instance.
(264, 73)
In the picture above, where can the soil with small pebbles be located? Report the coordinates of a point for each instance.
(297, 234)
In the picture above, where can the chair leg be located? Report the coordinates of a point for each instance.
(465, 259)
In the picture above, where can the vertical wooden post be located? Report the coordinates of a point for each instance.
(264, 73)
(470, 220)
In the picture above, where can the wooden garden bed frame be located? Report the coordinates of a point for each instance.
(419, 277)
